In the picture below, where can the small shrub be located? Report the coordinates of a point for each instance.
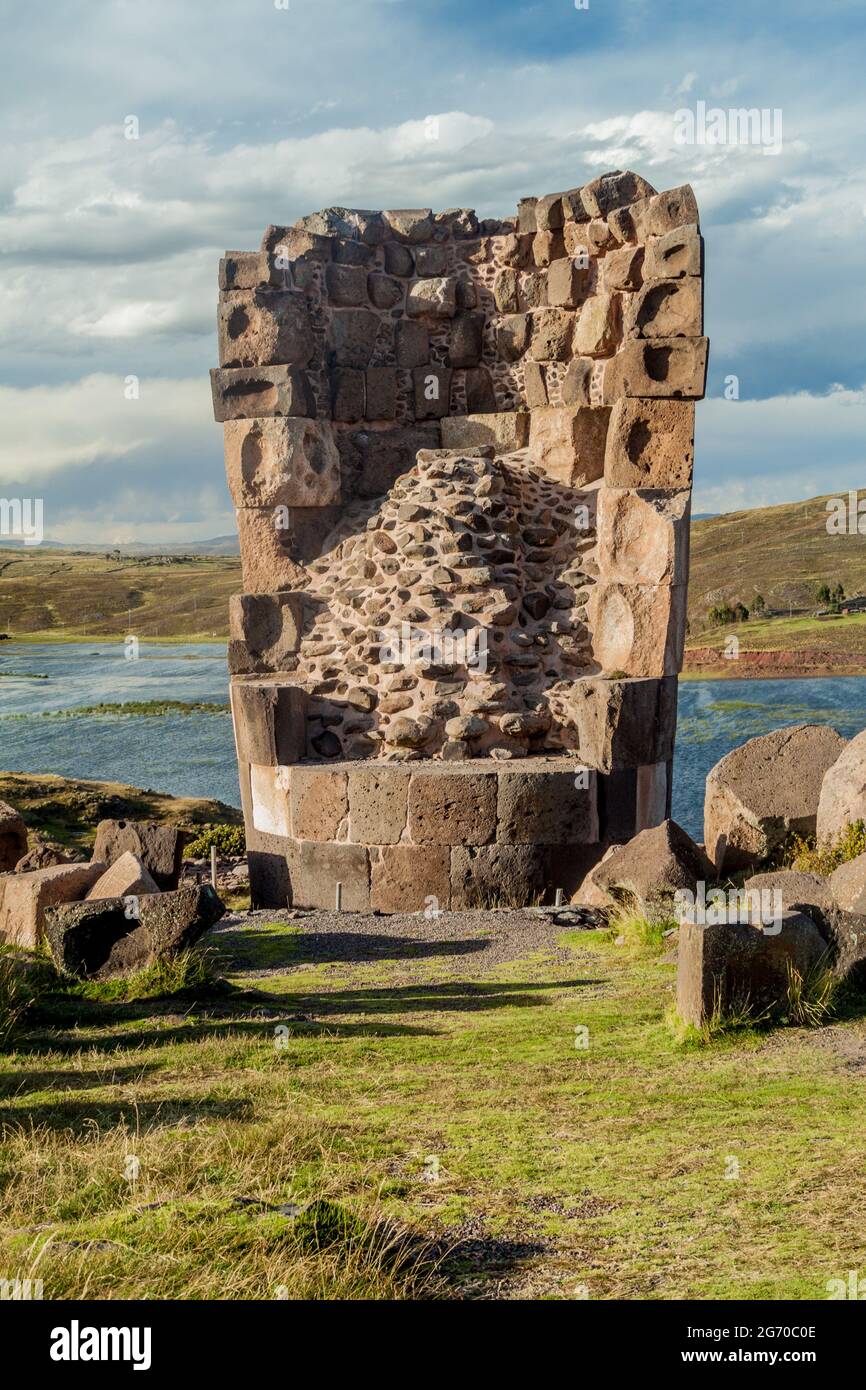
(228, 840)
(811, 998)
(638, 931)
(810, 857)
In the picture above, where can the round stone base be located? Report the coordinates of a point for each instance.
(405, 837)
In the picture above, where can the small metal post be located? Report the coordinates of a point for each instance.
(339, 897)
(213, 862)
(558, 897)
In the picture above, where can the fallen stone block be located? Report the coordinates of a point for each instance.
(762, 791)
(27, 897)
(102, 939)
(13, 837)
(127, 877)
(731, 966)
(645, 875)
(847, 885)
(158, 847)
(842, 800)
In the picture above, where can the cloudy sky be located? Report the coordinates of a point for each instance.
(251, 111)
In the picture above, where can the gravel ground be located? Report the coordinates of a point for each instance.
(465, 942)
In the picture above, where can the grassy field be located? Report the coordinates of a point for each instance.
(68, 809)
(63, 595)
(783, 553)
(438, 1128)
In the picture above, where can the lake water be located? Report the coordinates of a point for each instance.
(193, 754)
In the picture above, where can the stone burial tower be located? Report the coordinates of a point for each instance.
(461, 456)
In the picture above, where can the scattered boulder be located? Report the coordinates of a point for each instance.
(843, 791)
(13, 837)
(44, 854)
(644, 875)
(727, 965)
(768, 787)
(126, 877)
(799, 891)
(98, 938)
(158, 847)
(27, 898)
(847, 884)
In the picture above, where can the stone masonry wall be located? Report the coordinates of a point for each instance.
(461, 456)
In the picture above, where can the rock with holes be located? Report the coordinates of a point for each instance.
(262, 326)
(241, 393)
(650, 444)
(281, 462)
(667, 309)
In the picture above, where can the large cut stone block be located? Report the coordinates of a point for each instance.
(352, 335)
(650, 444)
(242, 270)
(506, 430)
(410, 878)
(158, 847)
(551, 335)
(644, 875)
(262, 326)
(624, 723)
(100, 939)
(678, 252)
(643, 535)
(451, 807)
(240, 393)
(128, 876)
(733, 965)
(613, 190)
(319, 803)
(568, 442)
(264, 630)
(316, 869)
(667, 309)
(27, 898)
(378, 804)
(765, 789)
(656, 216)
(270, 557)
(269, 810)
(599, 327)
(546, 808)
(269, 720)
(435, 297)
(281, 462)
(657, 367)
(638, 629)
(487, 876)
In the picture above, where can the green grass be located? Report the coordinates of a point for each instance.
(329, 1081)
(805, 854)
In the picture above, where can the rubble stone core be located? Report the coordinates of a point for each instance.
(461, 455)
